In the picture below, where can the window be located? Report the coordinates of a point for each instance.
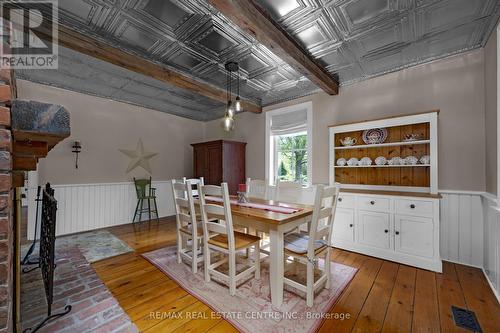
(290, 161)
(288, 144)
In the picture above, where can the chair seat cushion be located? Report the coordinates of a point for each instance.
(189, 230)
(297, 243)
(241, 240)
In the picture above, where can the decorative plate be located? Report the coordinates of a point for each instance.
(374, 135)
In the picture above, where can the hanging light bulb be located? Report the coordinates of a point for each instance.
(227, 123)
(237, 104)
(230, 109)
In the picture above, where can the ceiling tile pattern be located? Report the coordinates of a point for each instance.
(352, 39)
(358, 39)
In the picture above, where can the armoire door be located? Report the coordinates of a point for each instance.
(214, 162)
(200, 162)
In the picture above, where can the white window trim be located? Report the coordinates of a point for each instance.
(269, 160)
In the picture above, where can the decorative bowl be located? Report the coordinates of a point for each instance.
(426, 159)
(365, 161)
(396, 161)
(353, 161)
(381, 160)
(374, 135)
(411, 160)
(341, 161)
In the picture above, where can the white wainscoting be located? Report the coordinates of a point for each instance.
(85, 207)
(462, 227)
(492, 243)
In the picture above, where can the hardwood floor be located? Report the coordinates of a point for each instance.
(383, 296)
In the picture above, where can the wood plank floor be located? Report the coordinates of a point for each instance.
(383, 296)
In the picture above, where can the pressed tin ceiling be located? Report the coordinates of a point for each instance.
(353, 39)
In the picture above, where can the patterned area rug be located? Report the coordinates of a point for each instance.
(94, 245)
(251, 309)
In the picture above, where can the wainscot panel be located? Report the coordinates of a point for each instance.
(462, 227)
(85, 207)
(492, 243)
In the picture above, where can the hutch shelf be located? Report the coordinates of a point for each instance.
(389, 211)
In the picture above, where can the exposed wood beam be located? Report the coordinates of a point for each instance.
(250, 17)
(79, 42)
(37, 149)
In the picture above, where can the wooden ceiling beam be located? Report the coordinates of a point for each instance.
(79, 42)
(253, 19)
(37, 149)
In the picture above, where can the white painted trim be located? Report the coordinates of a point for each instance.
(495, 292)
(389, 122)
(461, 263)
(270, 158)
(461, 192)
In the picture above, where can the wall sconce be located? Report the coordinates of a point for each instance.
(77, 148)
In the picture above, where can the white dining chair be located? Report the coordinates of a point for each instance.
(306, 249)
(188, 227)
(257, 188)
(288, 191)
(221, 237)
(197, 182)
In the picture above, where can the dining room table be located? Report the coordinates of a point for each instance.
(274, 218)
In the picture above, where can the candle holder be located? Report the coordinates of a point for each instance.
(242, 197)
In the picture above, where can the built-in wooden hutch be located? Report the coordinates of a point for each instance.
(388, 209)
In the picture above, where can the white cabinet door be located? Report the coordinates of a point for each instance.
(343, 226)
(414, 235)
(374, 229)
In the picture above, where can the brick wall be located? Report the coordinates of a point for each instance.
(6, 207)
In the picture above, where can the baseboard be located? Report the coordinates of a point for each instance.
(495, 292)
(461, 263)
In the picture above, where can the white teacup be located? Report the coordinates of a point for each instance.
(353, 161)
(365, 161)
(426, 159)
(381, 160)
(341, 161)
(411, 160)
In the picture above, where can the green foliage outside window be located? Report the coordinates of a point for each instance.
(292, 158)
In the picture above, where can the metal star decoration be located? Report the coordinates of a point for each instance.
(138, 157)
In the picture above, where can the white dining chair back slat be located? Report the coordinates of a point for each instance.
(257, 188)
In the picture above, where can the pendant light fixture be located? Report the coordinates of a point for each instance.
(231, 108)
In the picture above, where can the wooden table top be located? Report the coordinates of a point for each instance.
(269, 216)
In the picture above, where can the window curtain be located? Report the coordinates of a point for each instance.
(289, 123)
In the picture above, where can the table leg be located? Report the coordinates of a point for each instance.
(276, 266)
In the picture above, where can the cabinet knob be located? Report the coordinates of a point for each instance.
(412, 206)
(386, 230)
(340, 199)
(372, 202)
(397, 232)
(351, 225)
